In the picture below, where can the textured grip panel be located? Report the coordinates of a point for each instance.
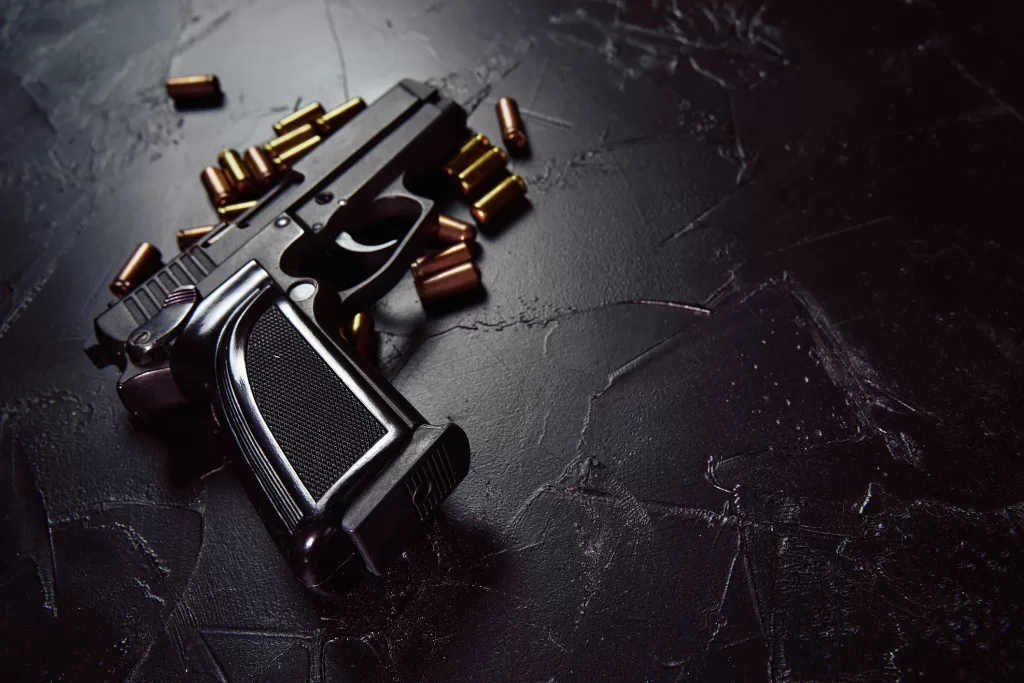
(320, 425)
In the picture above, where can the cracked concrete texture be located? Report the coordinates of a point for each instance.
(742, 392)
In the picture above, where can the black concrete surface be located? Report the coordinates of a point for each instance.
(743, 392)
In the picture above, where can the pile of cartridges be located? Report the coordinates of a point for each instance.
(479, 170)
(234, 186)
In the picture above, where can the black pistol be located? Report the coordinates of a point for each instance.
(343, 470)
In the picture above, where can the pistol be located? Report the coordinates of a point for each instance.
(342, 469)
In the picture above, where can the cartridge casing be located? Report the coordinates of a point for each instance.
(308, 114)
(238, 173)
(443, 260)
(504, 193)
(279, 145)
(452, 230)
(233, 211)
(191, 89)
(189, 236)
(448, 283)
(293, 154)
(360, 335)
(339, 116)
(492, 161)
(218, 188)
(262, 164)
(467, 154)
(142, 263)
(512, 130)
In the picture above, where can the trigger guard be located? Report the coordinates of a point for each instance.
(367, 292)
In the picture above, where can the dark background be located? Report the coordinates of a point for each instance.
(742, 394)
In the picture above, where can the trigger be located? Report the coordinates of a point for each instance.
(347, 242)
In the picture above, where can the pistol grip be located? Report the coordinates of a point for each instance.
(335, 471)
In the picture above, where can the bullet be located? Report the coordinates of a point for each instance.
(452, 230)
(509, 189)
(189, 89)
(279, 145)
(308, 114)
(467, 154)
(339, 116)
(360, 335)
(262, 164)
(142, 263)
(472, 177)
(293, 154)
(238, 173)
(218, 188)
(512, 130)
(233, 211)
(189, 236)
(425, 266)
(449, 283)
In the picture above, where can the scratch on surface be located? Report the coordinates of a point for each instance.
(547, 119)
(137, 540)
(516, 549)
(693, 308)
(338, 48)
(23, 484)
(543, 428)
(714, 620)
(818, 238)
(38, 106)
(148, 591)
(254, 632)
(698, 222)
(559, 314)
(867, 499)
(730, 286)
(215, 24)
(860, 382)
(498, 65)
(984, 87)
(622, 371)
(707, 74)
(655, 39)
(49, 581)
(547, 338)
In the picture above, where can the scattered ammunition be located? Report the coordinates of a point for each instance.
(452, 230)
(360, 335)
(262, 165)
(467, 154)
(279, 145)
(425, 266)
(238, 173)
(512, 130)
(339, 116)
(142, 263)
(189, 236)
(509, 189)
(472, 177)
(293, 154)
(308, 114)
(192, 89)
(217, 186)
(233, 211)
(449, 283)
